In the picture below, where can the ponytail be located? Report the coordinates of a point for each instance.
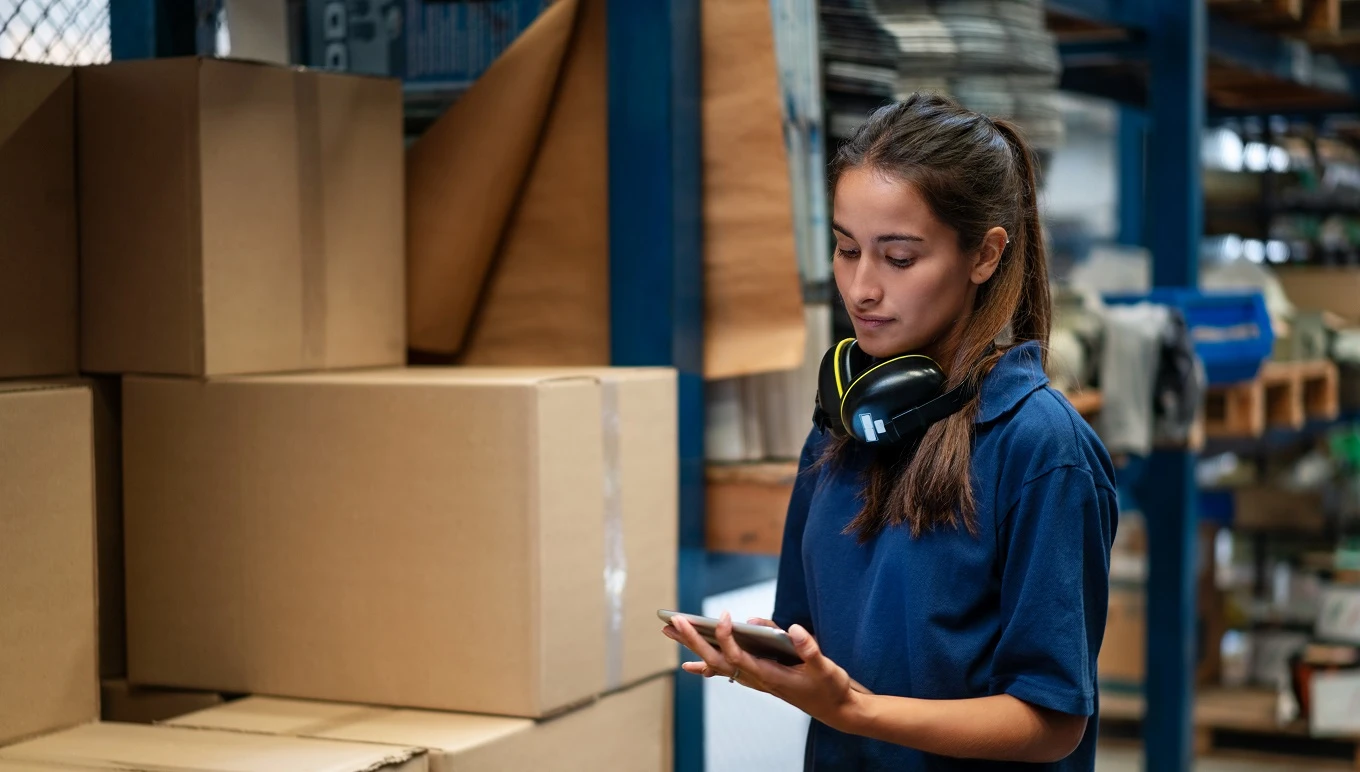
(1033, 314)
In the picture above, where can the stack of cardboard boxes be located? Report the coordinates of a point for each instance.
(422, 568)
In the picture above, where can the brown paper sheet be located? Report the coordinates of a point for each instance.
(465, 175)
(753, 303)
(547, 302)
(543, 299)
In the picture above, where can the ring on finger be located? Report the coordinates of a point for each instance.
(736, 673)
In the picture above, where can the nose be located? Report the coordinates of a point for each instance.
(865, 288)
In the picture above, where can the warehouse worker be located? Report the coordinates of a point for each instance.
(949, 548)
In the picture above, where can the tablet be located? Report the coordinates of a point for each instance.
(758, 641)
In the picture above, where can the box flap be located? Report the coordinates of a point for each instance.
(444, 732)
(451, 732)
(162, 749)
(24, 87)
(271, 715)
(423, 376)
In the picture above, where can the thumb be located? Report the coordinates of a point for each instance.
(804, 644)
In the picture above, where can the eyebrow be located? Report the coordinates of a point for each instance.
(884, 238)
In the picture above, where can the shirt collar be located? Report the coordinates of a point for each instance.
(1018, 373)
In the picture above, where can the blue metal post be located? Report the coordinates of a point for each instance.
(1132, 145)
(1177, 45)
(656, 260)
(146, 29)
(133, 28)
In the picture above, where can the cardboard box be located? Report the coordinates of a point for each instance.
(1269, 508)
(1335, 704)
(271, 240)
(48, 652)
(38, 258)
(1323, 289)
(418, 538)
(642, 519)
(165, 749)
(628, 731)
(122, 702)
(1123, 654)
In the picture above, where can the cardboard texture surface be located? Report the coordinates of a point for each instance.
(628, 731)
(122, 702)
(165, 749)
(753, 298)
(48, 652)
(38, 257)
(1122, 655)
(271, 240)
(1323, 289)
(639, 414)
(463, 177)
(547, 300)
(286, 533)
(532, 288)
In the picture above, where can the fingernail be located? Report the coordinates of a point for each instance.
(726, 617)
(798, 634)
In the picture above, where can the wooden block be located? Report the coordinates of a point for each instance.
(1321, 386)
(747, 505)
(1087, 403)
(1283, 394)
(1235, 411)
(1322, 17)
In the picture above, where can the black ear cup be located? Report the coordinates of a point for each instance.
(876, 399)
(881, 403)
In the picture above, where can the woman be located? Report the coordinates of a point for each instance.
(963, 581)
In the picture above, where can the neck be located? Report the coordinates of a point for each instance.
(944, 348)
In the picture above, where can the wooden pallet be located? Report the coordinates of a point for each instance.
(1284, 395)
(1241, 721)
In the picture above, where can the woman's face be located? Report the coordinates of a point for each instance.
(899, 269)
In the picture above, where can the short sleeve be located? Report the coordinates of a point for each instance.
(1055, 548)
(791, 605)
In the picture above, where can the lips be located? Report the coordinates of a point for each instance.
(872, 322)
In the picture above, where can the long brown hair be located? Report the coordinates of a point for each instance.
(975, 173)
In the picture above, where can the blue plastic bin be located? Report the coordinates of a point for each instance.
(1231, 330)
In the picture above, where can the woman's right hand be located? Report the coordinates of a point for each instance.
(856, 685)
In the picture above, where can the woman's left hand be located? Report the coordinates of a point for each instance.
(818, 686)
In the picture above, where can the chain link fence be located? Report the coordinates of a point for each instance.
(65, 32)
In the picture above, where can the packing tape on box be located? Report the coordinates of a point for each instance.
(615, 558)
(311, 183)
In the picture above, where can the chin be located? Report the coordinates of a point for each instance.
(880, 348)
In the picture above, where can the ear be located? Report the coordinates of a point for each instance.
(989, 256)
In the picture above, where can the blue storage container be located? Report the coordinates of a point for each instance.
(1231, 330)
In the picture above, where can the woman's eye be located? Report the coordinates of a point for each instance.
(901, 262)
(848, 254)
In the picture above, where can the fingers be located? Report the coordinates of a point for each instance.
(805, 645)
(684, 633)
(762, 623)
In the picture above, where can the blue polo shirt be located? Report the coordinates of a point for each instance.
(1019, 609)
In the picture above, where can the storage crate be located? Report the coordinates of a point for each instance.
(1231, 330)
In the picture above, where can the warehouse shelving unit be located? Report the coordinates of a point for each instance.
(1170, 64)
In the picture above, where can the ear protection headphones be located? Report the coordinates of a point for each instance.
(885, 402)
